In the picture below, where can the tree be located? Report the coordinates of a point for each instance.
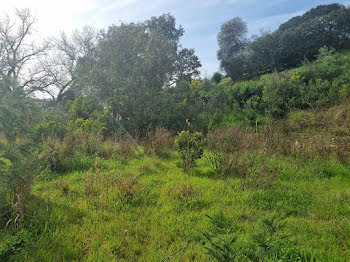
(217, 77)
(17, 111)
(186, 65)
(231, 39)
(166, 26)
(126, 71)
(296, 40)
(131, 65)
(17, 50)
(310, 15)
(56, 70)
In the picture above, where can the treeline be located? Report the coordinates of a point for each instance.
(294, 41)
(137, 75)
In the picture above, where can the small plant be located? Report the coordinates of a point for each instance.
(159, 142)
(62, 186)
(267, 244)
(226, 151)
(126, 149)
(190, 147)
(13, 244)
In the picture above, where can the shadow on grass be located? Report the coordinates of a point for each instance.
(44, 213)
(203, 172)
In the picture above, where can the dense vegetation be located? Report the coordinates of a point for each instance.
(136, 158)
(294, 41)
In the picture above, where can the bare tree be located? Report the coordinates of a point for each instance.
(56, 71)
(17, 47)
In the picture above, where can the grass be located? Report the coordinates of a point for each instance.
(147, 208)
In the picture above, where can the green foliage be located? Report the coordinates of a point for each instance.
(17, 112)
(48, 129)
(5, 164)
(297, 39)
(82, 115)
(132, 84)
(231, 39)
(16, 171)
(13, 244)
(217, 77)
(268, 243)
(190, 147)
(81, 125)
(280, 95)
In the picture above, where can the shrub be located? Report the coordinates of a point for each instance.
(16, 173)
(159, 142)
(13, 244)
(280, 95)
(47, 129)
(80, 125)
(190, 147)
(267, 244)
(55, 153)
(227, 149)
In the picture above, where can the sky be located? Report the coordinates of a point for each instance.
(201, 19)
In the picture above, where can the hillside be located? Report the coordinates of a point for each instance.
(138, 158)
(137, 206)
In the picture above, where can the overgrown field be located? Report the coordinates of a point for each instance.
(276, 197)
(148, 208)
(135, 157)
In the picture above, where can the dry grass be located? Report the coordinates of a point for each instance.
(159, 142)
(182, 191)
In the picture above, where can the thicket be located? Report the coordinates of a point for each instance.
(294, 41)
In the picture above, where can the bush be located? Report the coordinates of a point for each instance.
(227, 149)
(159, 142)
(55, 153)
(16, 173)
(280, 95)
(47, 129)
(13, 244)
(267, 244)
(190, 147)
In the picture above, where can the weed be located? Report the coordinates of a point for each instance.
(159, 142)
(11, 245)
(190, 147)
(62, 186)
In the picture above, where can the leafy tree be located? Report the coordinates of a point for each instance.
(166, 26)
(309, 16)
(296, 40)
(186, 65)
(17, 111)
(217, 77)
(231, 39)
(131, 65)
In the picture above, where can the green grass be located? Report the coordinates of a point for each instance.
(147, 208)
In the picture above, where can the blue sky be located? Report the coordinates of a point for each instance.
(200, 19)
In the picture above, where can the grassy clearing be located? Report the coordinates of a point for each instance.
(147, 208)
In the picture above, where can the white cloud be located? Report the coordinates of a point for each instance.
(118, 5)
(270, 23)
(53, 16)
